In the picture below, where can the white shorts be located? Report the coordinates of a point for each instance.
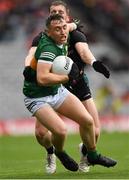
(33, 104)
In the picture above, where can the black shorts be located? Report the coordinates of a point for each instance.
(81, 89)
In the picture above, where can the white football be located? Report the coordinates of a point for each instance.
(62, 65)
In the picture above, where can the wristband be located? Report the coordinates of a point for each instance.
(92, 61)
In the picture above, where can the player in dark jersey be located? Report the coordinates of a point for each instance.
(81, 54)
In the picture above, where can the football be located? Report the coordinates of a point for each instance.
(62, 65)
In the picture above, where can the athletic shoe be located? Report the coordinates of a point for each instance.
(51, 163)
(83, 164)
(67, 161)
(102, 160)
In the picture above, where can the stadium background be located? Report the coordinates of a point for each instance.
(107, 28)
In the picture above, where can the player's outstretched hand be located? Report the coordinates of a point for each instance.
(100, 67)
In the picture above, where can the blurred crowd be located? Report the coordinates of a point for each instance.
(110, 102)
(110, 17)
(28, 14)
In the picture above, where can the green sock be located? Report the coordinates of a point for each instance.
(93, 154)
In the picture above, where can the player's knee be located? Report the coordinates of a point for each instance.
(90, 122)
(62, 131)
(40, 132)
(87, 122)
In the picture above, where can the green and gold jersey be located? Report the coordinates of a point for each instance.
(46, 52)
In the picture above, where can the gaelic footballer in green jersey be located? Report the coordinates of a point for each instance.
(48, 49)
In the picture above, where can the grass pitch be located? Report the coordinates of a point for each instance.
(23, 158)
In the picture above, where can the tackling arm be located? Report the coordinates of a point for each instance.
(72, 26)
(87, 56)
(85, 53)
(30, 56)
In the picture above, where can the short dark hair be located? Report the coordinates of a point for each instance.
(53, 17)
(57, 3)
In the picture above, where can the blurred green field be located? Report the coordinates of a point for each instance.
(22, 157)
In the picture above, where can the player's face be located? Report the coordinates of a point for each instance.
(58, 31)
(59, 9)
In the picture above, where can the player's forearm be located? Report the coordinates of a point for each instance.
(85, 53)
(72, 26)
(50, 79)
